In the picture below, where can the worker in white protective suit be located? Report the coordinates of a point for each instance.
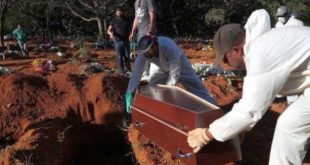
(171, 66)
(293, 21)
(287, 19)
(277, 62)
(283, 14)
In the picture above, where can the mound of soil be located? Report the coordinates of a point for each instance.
(147, 152)
(62, 118)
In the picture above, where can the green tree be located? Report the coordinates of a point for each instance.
(4, 6)
(94, 10)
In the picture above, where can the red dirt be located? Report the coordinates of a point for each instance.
(62, 117)
(69, 117)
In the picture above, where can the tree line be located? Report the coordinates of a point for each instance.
(175, 18)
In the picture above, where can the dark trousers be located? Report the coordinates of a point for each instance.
(122, 56)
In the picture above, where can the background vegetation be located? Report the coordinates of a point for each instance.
(176, 18)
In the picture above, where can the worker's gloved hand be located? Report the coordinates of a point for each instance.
(133, 46)
(128, 98)
(198, 138)
(172, 82)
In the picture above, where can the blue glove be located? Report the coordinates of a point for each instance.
(133, 46)
(128, 98)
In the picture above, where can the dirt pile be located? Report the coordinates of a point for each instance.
(147, 152)
(62, 118)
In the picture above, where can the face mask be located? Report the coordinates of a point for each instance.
(281, 19)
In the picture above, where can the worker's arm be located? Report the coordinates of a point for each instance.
(152, 14)
(134, 81)
(174, 54)
(258, 93)
(136, 75)
(133, 30)
(152, 22)
(110, 32)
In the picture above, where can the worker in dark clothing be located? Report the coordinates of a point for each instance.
(118, 31)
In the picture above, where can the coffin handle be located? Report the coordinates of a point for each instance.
(138, 124)
(180, 154)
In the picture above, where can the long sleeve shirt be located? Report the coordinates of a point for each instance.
(20, 35)
(171, 60)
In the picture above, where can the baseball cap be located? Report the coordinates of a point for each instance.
(281, 11)
(144, 44)
(226, 38)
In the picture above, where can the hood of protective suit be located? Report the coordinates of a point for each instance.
(257, 24)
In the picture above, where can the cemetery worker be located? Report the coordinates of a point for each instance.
(287, 19)
(275, 64)
(118, 31)
(145, 19)
(144, 24)
(293, 21)
(21, 37)
(282, 15)
(171, 66)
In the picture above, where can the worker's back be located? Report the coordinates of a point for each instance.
(285, 48)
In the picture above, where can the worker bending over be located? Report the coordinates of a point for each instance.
(277, 62)
(171, 66)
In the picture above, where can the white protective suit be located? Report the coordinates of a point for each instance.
(277, 62)
(292, 21)
(280, 23)
(171, 67)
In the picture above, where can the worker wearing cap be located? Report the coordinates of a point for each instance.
(287, 19)
(171, 66)
(275, 64)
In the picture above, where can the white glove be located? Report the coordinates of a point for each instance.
(171, 82)
(198, 138)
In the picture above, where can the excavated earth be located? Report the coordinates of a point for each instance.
(70, 116)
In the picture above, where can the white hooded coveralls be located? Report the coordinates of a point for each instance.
(171, 67)
(292, 21)
(277, 62)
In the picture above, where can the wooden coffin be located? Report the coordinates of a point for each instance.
(165, 114)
